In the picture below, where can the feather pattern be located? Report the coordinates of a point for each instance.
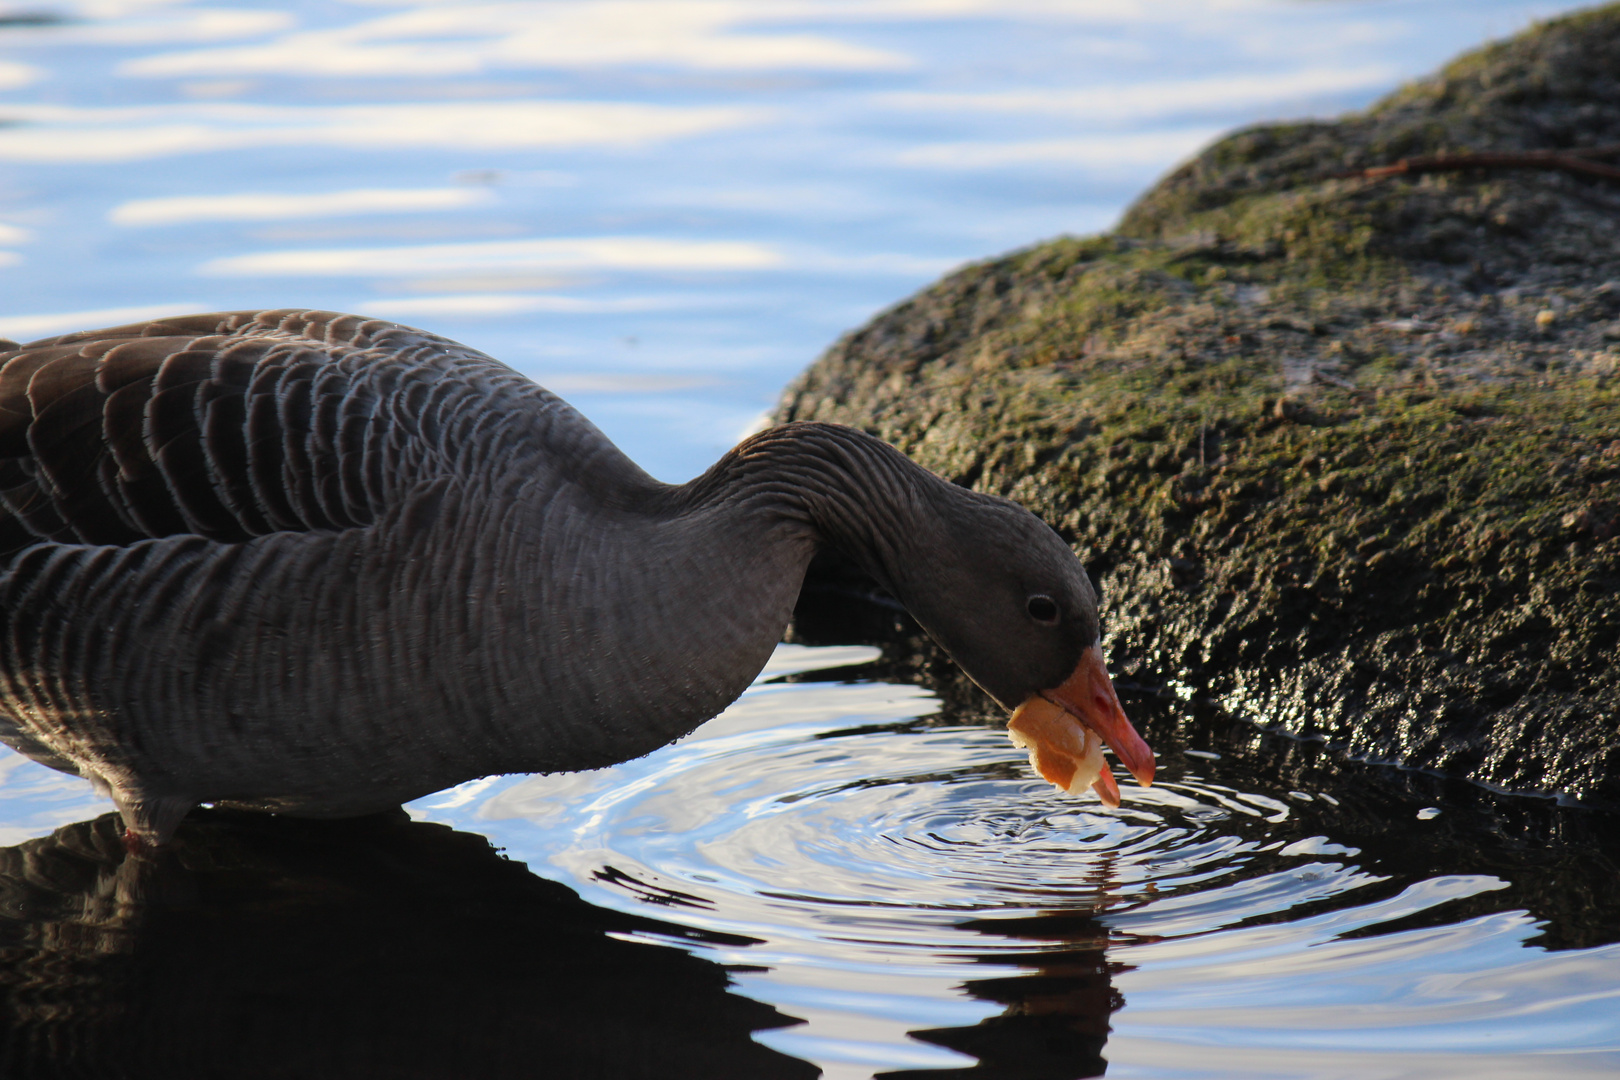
(230, 426)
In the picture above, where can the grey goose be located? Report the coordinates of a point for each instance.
(317, 564)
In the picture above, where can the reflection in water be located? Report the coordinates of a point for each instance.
(1056, 1019)
(380, 947)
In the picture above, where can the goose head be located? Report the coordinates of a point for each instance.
(993, 584)
(1013, 606)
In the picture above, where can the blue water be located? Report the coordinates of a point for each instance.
(663, 211)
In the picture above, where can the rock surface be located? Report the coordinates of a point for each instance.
(1342, 454)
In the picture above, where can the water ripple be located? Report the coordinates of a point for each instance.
(903, 873)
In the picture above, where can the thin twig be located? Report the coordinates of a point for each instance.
(1332, 380)
(1574, 161)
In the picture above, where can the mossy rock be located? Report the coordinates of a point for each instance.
(1342, 454)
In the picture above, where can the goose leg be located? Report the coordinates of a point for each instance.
(150, 820)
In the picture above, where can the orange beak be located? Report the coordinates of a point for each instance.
(1089, 705)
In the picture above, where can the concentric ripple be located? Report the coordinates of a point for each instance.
(836, 798)
(906, 876)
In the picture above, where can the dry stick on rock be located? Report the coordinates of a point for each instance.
(1573, 161)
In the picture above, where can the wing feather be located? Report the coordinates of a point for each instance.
(266, 458)
(236, 425)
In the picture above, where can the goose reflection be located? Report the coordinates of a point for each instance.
(379, 947)
(1055, 1022)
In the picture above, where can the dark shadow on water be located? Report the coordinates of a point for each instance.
(1056, 1019)
(262, 948)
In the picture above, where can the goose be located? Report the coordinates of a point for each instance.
(320, 565)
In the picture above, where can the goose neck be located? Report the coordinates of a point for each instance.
(842, 487)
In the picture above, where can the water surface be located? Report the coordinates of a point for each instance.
(885, 888)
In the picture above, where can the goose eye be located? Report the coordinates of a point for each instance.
(1043, 609)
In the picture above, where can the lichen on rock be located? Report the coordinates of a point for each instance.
(1342, 454)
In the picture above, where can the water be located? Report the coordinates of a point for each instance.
(921, 900)
(880, 868)
(663, 211)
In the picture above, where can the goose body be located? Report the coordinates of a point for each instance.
(316, 564)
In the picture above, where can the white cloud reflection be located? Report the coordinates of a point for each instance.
(31, 327)
(178, 25)
(468, 38)
(65, 133)
(1150, 100)
(15, 75)
(427, 39)
(1097, 153)
(646, 253)
(627, 383)
(514, 304)
(265, 206)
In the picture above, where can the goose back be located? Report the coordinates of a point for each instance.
(232, 426)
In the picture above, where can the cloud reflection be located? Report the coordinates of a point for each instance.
(1097, 152)
(142, 27)
(64, 133)
(1150, 100)
(513, 304)
(15, 75)
(466, 39)
(439, 39)
(31, 327)
(560, 254)
(627, 383)
(273, 207)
